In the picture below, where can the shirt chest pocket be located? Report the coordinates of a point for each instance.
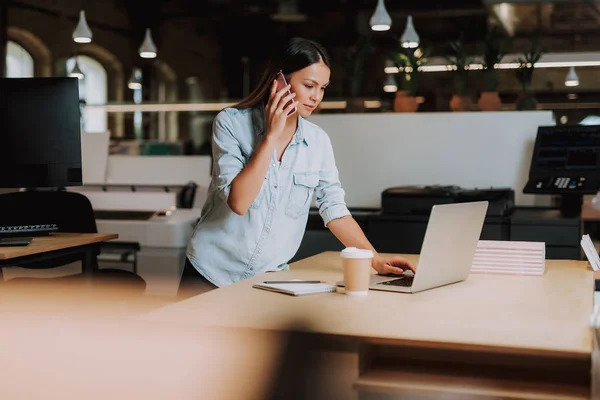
(303, 187)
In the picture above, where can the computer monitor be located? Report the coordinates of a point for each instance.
(40, 133)
(566, 162)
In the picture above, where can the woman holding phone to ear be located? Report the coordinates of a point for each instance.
(268, 160)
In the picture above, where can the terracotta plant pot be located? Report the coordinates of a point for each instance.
(405, 103)
(489, 101)
(461, 103)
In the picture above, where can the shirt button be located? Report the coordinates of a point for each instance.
(274, 164)
(275, 186)
(267, 230)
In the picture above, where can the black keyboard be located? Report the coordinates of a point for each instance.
(403, 282)
(27, 230)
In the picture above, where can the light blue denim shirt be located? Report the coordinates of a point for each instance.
(226, 247)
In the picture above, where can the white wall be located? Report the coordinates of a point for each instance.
(94, 156)
(473, 150)
(158, 170)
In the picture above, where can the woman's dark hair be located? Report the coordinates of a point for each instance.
(297, 54)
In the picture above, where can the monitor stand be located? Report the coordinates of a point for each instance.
(570, 205)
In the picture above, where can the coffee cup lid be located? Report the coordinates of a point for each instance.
(353, 252)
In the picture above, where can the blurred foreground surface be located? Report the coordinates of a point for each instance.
(77, 340)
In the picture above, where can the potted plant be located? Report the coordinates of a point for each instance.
(409, 62)
(524, 74)
(460, 61)
(494, 50)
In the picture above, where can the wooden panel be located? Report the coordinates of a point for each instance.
(53, 242)
(430, 372)
(408, 385)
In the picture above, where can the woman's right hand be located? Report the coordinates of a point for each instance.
(275, 111)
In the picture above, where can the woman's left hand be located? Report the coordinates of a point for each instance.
(395, 265)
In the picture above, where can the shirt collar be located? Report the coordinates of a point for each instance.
(258, 123)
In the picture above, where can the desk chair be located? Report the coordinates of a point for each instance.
(73, 213)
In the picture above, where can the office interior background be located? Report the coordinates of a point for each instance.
(429, 101)
(211, 53)
(412, 76)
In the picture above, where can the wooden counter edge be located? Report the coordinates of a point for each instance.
(82, 239)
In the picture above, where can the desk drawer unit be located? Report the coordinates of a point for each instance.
(561, 235)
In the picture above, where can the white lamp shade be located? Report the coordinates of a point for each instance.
(380, 20)
(572, 79)
(410, 38)
(135, 80)
(148, 48)
(390, 84)
(390, 67)
(82, 32)
(76, 72)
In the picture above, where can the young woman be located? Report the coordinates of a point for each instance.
(268, 160)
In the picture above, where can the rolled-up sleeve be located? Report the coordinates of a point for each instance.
(329, 192)
(228, 160)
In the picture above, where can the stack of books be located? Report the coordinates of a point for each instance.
(507, 257)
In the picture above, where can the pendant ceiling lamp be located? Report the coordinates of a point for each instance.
(380, 20)
(410, 37)
(76, 72)
(135, 80)
(82, 32)
(390, 67)
(390, 85)
(148, 48)
(572, 79)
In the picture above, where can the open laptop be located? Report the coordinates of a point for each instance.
(447, 252)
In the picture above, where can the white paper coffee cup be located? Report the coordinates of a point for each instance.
(357, 270)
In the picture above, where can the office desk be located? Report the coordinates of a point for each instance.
(492, 335)
(44, 248)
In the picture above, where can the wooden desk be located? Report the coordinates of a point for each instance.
(491, 336)
(44, 248)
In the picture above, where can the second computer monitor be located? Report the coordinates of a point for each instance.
(40, 133)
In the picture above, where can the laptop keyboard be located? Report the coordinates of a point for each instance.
(403, 282)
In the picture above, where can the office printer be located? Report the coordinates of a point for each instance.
(418, 200)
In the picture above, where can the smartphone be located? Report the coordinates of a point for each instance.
(281, 83)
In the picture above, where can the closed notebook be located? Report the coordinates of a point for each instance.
(510, 257)
(296, 289)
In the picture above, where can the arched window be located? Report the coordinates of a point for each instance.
(19, 63)
(92, 90)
